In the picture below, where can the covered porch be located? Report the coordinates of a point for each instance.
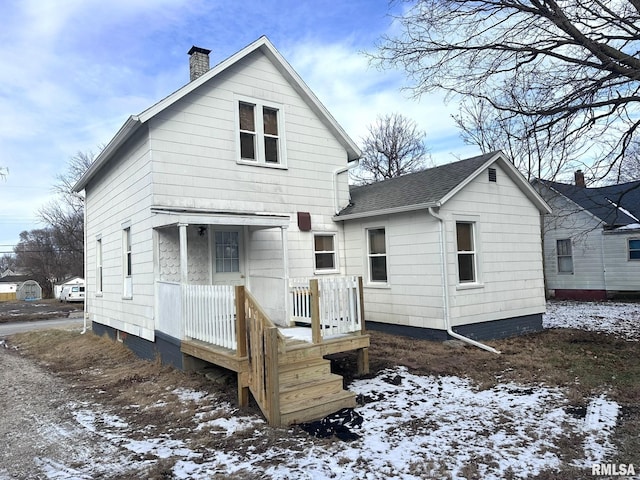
(222, 289)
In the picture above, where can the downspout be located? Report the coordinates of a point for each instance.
(84, 261)
(445, 288)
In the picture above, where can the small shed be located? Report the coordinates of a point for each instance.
(29, 290)
(9, 286)
(69, 282)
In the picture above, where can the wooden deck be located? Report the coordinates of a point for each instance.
(289, 378)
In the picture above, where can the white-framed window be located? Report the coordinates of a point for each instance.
(564, 253)
(99, 265)
(634, 248)
(466, 248)
(127, 285)
(377, 254)
(260, 133)
(324, 252)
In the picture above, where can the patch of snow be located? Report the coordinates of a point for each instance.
(622, 319)
(185, 395)
(599, 423)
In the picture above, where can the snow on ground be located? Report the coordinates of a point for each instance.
(413, 427)
(622, 319)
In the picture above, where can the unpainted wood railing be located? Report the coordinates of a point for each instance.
(260, 339)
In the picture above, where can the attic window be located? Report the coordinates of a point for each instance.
(493, 175)
(260, 133)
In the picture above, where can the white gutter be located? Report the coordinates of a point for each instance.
(445, 288)
(336, 200)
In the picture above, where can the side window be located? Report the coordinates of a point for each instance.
(126, 263)
(377, 254)
(324, 252)
(466, 252)
(565, 255)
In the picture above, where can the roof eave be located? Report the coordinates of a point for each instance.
(125, 132)
(387, 211)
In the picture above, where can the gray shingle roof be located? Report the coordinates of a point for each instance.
(427, 187)
(610, 204)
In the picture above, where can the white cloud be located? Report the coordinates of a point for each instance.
(356, 93)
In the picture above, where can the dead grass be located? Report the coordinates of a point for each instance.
(583, 363)
(23, 311)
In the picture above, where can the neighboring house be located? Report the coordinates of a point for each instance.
(240, 178)
(69, 282)
(592, 239)
(455, 246)
(9, 284)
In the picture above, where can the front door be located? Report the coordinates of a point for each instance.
(228, 261)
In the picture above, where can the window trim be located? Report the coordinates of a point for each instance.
(473, 253)
(558, 256)
(336, 267)
(259, 133)
(99, 267)
(127, 263)
(629, 249)
(370, 281)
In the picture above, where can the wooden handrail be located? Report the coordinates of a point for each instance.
(316, 334)
(263, 343)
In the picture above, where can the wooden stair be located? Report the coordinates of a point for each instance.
(309, 391)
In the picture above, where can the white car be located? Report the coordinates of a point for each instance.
(72, 294)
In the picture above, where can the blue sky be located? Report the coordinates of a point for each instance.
(72, 71)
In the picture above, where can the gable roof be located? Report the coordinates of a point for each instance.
(429, 188)
(14, 278)
(615, 205)
(263, 45)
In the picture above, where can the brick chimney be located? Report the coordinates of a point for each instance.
(198, 62)
(579, 179)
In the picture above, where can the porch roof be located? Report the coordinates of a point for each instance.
(169, 216)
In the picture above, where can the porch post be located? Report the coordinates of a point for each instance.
(285, 266)
(184, 259)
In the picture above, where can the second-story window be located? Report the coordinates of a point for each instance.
(260, 133)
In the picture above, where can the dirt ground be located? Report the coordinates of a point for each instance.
(23, 311)
(42, 374)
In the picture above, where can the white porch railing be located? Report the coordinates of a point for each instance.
(210, 314)
(340, 309)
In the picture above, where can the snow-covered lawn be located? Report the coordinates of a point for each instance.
(622, 319)
(413, 427)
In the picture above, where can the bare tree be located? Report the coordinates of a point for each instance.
(64, 216)
(492, 130)
(571, 63)
(394, 147)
